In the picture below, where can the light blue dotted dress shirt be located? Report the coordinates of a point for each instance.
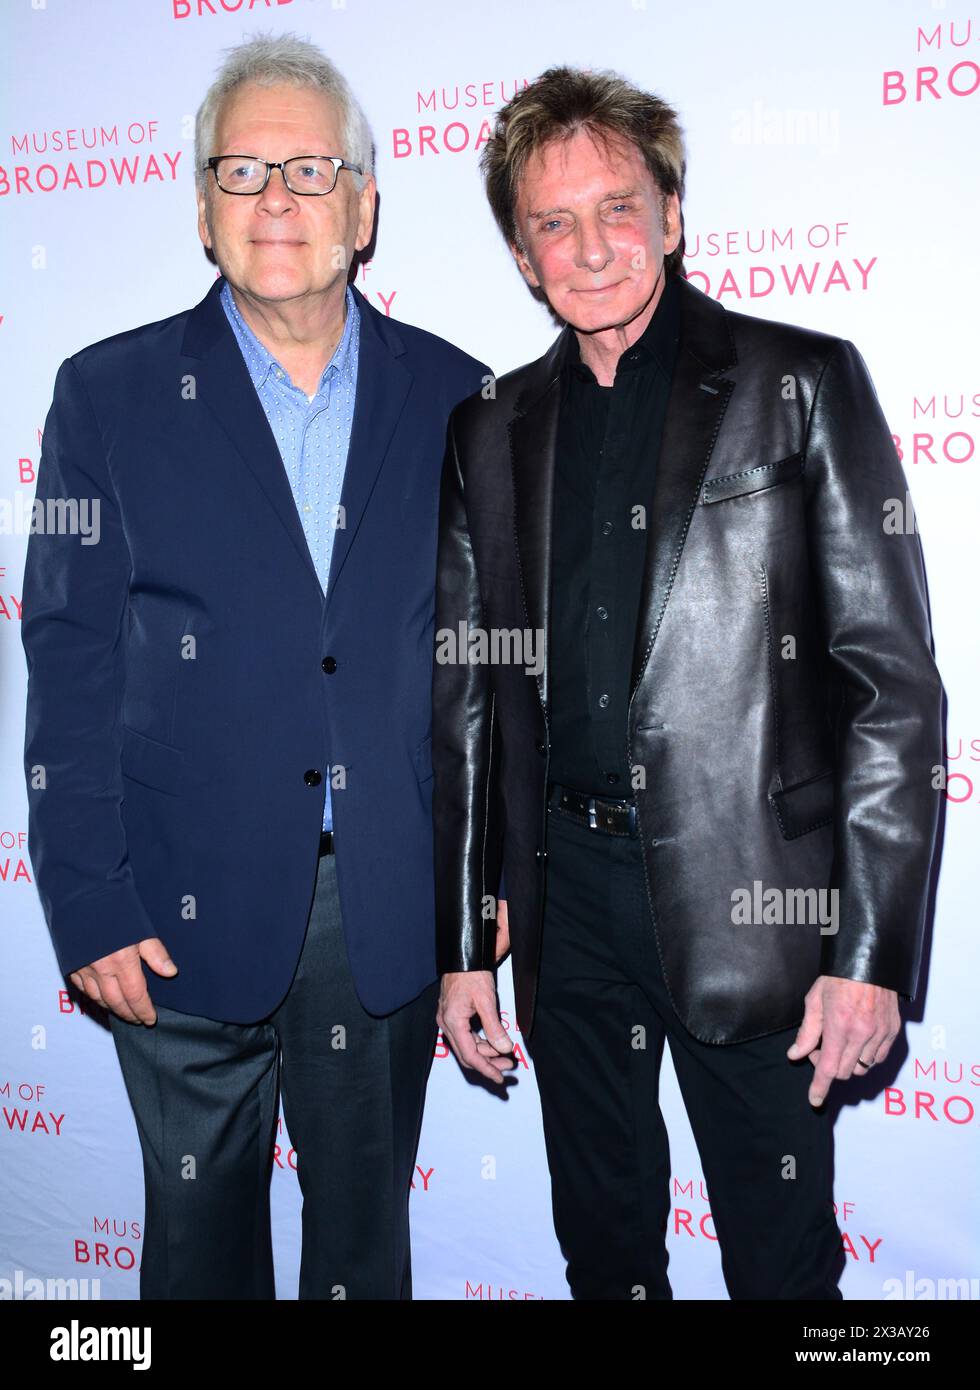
(313, 435)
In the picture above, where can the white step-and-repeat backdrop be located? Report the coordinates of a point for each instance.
(832, 182)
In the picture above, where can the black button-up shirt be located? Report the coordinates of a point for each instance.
(607, 449)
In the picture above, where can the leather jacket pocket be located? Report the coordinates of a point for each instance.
(805, 806)
(747, 480)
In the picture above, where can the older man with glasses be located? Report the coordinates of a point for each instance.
(228, 726)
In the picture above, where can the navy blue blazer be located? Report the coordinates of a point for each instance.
(180, 702)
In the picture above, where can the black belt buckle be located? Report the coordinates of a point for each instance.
(326, 842)
(598, 813)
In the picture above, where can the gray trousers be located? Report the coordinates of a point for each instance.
(206, 1099)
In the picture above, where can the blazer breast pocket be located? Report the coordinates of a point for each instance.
(748, 480)
(152, 764)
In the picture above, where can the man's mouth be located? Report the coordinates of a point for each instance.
(599, 289)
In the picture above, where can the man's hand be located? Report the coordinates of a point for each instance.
(503, 930)
(463, 994)
(117, 981)
(854, 1022)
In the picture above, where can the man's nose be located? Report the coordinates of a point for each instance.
(593, 249)
(275, 196)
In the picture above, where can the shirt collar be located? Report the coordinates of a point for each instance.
(260, 361)
(657, 342)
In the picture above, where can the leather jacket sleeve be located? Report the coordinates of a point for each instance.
(870, 580)
(467, 820)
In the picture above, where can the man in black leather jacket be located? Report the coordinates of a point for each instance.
(712, 792)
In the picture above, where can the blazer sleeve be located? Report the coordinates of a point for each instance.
(465, 751)
(875, 618)
(75, 599)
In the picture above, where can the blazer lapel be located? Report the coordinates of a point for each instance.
(383, 384)
(696, 407)
(222, 383)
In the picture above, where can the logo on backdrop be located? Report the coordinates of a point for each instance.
(819, 258)
(26, 1110)
(963, 771)
(14, 866)
(935, 434)
(89, 158)
(945, 72)
(942, 1090)
(452, 118)
(112, 1244)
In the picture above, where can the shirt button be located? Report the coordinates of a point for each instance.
(603, 701)
(307, 507)
(612, 776)
(606, 527)
(602, 613)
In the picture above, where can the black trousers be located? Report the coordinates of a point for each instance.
(206, 1099)
(601, 1019)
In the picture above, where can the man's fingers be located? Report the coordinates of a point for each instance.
(157, 957)
(820, 1085)
(137, 996)
(851, 1055)
(90, 985)
(465, 1047)
(506, 1062)
(808, 1036)
(116, 1001)
(826, 1069)
(493, 1030)
(879, 1048)
(465, 995)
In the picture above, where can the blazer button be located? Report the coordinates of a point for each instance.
(541, 854)
(329, 665)
(540, 746)
(312, 778)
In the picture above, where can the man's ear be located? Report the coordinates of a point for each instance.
(202, 221)
(671, 219)
(366, 203)
(524, 265)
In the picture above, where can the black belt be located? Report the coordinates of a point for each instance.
(608, 816)
(326, 842)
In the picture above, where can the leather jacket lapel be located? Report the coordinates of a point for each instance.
(533, 435)
(699, 396)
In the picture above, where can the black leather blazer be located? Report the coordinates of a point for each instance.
(785, 718)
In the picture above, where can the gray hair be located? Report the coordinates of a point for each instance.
(273, 60)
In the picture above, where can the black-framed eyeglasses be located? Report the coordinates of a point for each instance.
(309, 175)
